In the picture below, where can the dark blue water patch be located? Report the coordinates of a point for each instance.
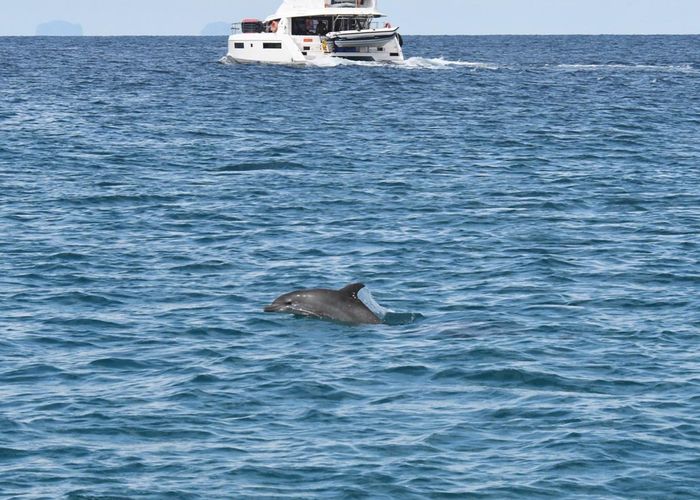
(527, 206)
(117, 364)
(85, 323)
(252, 167)
(32, 372)
(79, 298)
(11, 454)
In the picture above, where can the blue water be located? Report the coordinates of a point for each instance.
(535, 199)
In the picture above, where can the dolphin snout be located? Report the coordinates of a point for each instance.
(272, 308)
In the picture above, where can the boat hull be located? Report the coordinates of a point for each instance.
(265, 48)
(275, 48)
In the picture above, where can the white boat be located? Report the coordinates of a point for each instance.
(305, 30)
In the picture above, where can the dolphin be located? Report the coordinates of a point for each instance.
(352, 305)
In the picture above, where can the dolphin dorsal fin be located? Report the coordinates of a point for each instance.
(352, 290)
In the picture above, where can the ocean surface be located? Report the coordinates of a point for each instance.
(529, 205)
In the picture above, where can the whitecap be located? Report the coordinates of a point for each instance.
(227, 60)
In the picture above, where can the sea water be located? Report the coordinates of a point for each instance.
(530, 204)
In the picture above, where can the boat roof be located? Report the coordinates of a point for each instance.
(309, 8)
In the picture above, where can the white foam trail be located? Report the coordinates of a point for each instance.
(682, 68)
(410, 63)
(441, 63)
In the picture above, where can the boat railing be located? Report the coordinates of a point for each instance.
(355, 4)
(375, 25)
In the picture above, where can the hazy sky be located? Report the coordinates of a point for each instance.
(188, 17)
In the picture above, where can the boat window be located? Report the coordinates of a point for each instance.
(239, 45)
(369, 4)
(351, 23)
(272, 45)
(251, 26)
(310, 26)
(322, 25)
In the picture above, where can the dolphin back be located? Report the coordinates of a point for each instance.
(352, 290)
(360, 293)
(353, 304)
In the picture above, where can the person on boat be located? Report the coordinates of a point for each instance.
(309, 26)
(273, 26)
(322, 28)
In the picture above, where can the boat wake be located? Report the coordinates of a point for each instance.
(410, 63)
(441, 63)
(438, 63)
(670, 68)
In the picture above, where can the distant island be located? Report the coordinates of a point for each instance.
(216, 29)
(59, 28)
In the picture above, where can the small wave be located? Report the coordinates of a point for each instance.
(409, 370)
(117, 199)
(77, 298)
(7, 424)
(62, 342)
(204, 332)
(204, 379)
(390, 399)
(85, 323)
(118, 364)
(30, 373)
(12, 453)
(69, 256)
(318, 416)
(398, 319)
(283, 369)
(314, 390)
(509, 377)
(252, 167)
(441, 63)
(211, 265)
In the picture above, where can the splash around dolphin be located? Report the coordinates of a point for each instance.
(353, 305)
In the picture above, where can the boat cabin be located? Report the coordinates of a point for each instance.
(301, 30)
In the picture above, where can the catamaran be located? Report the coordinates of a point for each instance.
(305, 30)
